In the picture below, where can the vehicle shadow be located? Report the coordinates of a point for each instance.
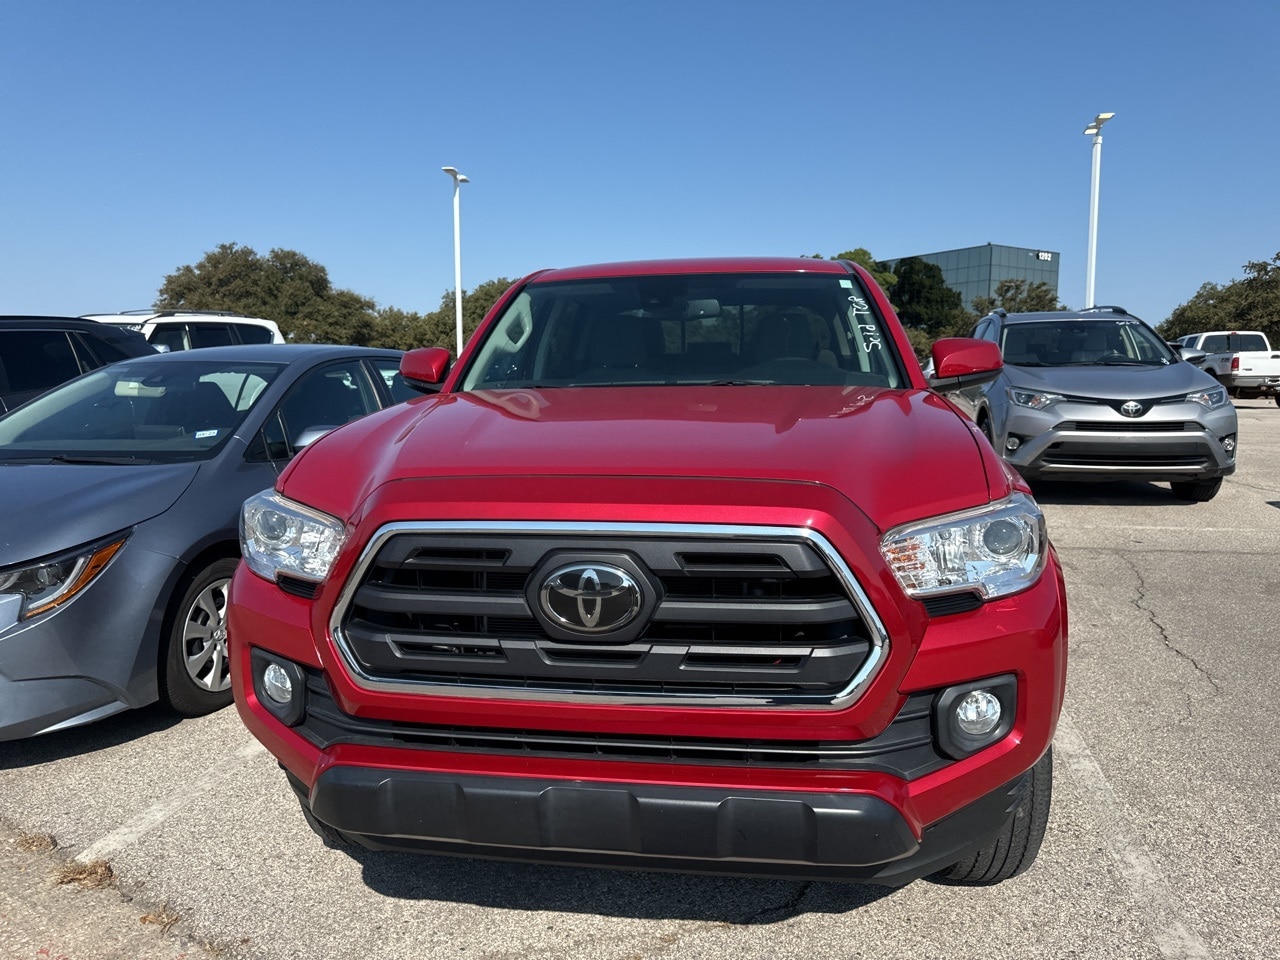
(606, 892)
(99, 735)
(1134, 493)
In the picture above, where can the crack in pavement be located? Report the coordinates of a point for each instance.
(1141, 605)
(782, 911)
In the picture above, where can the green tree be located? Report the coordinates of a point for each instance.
(439, 328)
(1213, 307)
(283, 286)
(922, 300)
(1251, 303)
(1019, 296)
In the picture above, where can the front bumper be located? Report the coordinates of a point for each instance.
(642, 825)
(1252, 385)
(90, 658)
(1090, 441)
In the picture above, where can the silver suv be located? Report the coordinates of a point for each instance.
(1096, 394)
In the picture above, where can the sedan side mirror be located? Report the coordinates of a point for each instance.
(424, 369)
(960, 362)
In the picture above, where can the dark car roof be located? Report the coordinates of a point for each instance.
(637, 268)
(273, 352)
(47, 323)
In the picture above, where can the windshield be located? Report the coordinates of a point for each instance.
(689, 329)
(138, 411)
(1067, 343)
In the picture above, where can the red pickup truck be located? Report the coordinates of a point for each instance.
(681, 566)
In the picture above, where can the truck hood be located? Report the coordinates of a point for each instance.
(896, 454)
(1131, 381)
(52, 507)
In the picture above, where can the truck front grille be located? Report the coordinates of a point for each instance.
(738, 616)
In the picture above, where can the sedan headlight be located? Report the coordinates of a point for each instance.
(51, 582)
(996, 550)
(1211, 399)
(1036, 401)
(278, 536)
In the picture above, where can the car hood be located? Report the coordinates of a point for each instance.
(54, 506)
(1129, 381)
(896, 454)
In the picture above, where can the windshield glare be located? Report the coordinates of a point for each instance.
(1065, 343)
(691, 329)
(167, 412)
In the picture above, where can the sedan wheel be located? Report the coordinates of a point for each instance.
(196, 672)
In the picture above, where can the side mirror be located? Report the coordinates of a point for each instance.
(1192, 355)
(424, 369)
(960, 362)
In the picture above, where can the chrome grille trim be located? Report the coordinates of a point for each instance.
(870, 667)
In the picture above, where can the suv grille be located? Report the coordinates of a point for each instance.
(734, 618)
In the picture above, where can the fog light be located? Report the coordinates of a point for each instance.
(280, 685)
(1229, 444)
(978, 713)
(276, 683)
(1012, 443)
(972, 716)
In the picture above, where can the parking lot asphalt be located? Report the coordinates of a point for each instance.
(1162, 843)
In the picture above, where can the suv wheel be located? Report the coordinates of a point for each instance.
(1014, 850)
(195, 675)
(1197, 491)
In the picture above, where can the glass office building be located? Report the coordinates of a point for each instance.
(976, 271)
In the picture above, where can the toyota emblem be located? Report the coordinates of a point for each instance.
(1132, 409)
(590, 597)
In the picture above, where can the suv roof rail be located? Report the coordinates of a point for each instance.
(202, 313)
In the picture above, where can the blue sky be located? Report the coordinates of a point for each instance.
(140, 134)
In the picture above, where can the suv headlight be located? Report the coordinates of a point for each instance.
(280, 536)
(1036, 401)
(996, 550)
(1211, 399)
(51, 582)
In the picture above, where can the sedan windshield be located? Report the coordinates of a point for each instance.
(1077, 343)
(142, 411)
(722, 329)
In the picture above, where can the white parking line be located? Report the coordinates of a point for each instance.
(1146, 883)
(125, 836)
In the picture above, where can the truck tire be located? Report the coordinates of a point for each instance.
(1276, 398)
(1014, 850)
(1197, 491)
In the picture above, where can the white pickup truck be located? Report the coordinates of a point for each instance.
(1242, 360)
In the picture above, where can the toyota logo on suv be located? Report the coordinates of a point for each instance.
(1132, 409)
(590, 597)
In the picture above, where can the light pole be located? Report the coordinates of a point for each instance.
(1094, 129)
(458, 180)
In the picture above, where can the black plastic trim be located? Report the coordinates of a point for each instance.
(823, 836)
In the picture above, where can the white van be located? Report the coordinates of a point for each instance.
(189, 329)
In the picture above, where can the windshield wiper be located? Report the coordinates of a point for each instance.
(729, 383)
(108, 461)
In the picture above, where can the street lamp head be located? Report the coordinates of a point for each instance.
(1095, 126)
(453, 172)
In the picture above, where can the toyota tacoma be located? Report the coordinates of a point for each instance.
(683, 565)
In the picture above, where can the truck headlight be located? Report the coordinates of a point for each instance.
(1211, 399)
(996, 550)
(1036, 401)
(279, 536)
(51, 582)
